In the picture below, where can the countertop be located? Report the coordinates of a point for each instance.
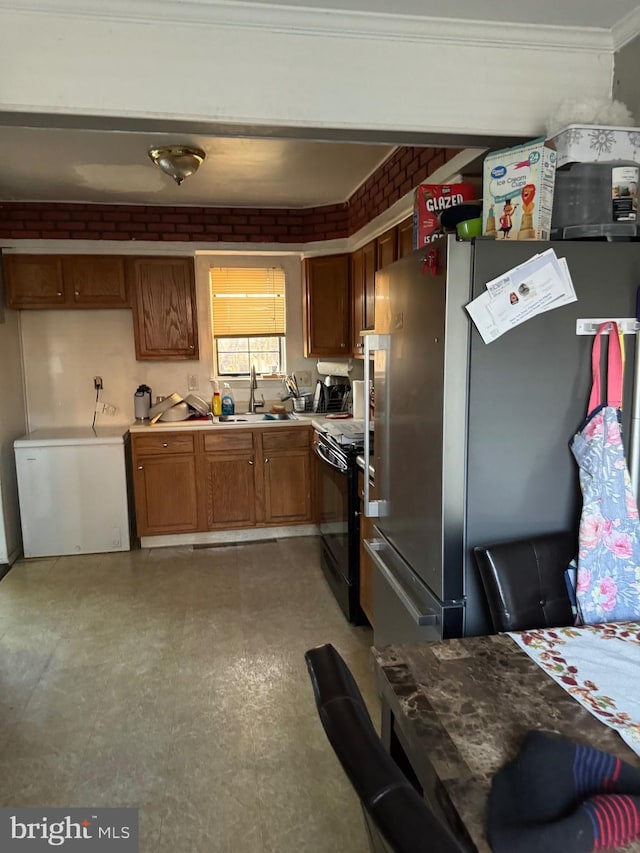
(300, 420)
(466, 705)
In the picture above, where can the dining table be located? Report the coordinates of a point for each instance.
(455, 711)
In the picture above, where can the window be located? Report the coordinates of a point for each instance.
(248, 319)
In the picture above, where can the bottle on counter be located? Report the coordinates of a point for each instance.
(216, 403)
(228, 402)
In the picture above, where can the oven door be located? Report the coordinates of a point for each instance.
(333, 489)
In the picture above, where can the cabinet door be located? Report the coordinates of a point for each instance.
(387, 248)
(230, 491)
(286, 458)
(34, 281)
(287, 487)
(166, 495)
(164, 303)
(366, 563)
(405, 237)
(357, 302)
(369, 275)
(95, 281)
(327, 307)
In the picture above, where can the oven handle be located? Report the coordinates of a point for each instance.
(373, 546)
(334, 462)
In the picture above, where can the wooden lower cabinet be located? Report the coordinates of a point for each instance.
(230, 480)
(221, 479)
(366, 563)
(287, 476)
(166, 494)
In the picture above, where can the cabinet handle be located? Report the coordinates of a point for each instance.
(250, 462)
(266, 458)
(140, 467)
(164, 444)
(77, 293)
(59, 293)
(192, 346)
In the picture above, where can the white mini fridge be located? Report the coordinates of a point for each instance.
(72, 486)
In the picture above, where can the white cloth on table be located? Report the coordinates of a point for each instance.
(599, 665)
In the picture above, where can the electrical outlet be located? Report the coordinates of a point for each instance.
(192, 382)
(109, 409)
(97, 383)
(304, 378)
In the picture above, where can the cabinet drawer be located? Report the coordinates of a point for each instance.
(285, 439)
(147, 445)
(228, 440)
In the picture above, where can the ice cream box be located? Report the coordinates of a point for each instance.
(517, 198)
(430, 201)
(596, 144)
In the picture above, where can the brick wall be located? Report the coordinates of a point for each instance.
(406, 168)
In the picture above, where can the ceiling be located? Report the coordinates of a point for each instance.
(73, 164)
(113, 167)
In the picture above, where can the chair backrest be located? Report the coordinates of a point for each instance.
(397, 817)
(524, 581)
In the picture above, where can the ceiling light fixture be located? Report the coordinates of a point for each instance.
(177, 161)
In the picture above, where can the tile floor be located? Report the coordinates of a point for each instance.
(173, 680)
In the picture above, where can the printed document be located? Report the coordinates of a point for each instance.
(539, 284)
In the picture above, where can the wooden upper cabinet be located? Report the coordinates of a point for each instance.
(369, 272)
(65, 281)
(405, 237)
(363, 279)
(387, 248)
(95, 280)
(34, 281)
(164, 308)
(327, 307)
(357, 301)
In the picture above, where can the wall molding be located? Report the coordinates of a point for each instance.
(626, 30)
(334, 22)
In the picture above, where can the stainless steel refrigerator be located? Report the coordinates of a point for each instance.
(472, 439)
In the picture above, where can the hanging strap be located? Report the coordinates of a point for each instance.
(614, 367)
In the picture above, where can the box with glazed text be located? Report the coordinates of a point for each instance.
(430, 201)
(518, 186)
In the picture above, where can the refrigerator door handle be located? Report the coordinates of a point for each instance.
(372, 509)
(373, 547)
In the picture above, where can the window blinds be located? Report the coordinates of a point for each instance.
(247, 301)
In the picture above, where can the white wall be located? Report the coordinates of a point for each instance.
(239, 65)
(625, 83)
(12, 425)
(64, 350)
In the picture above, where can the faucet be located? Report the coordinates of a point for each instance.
(253, 384)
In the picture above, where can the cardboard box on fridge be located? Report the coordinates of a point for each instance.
(518, 185)
(430, 201)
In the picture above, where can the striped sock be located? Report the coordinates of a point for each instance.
(615, 820)
(557, 795)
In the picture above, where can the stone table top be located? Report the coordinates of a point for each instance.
(465, 706)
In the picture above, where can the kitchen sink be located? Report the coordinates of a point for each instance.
(251, 417)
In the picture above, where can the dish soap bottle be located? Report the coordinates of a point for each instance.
(216, 404)
(228, 403)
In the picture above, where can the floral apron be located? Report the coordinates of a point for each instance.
(608, 578)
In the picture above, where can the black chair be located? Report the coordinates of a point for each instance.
(524, 581)
(397, 818)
